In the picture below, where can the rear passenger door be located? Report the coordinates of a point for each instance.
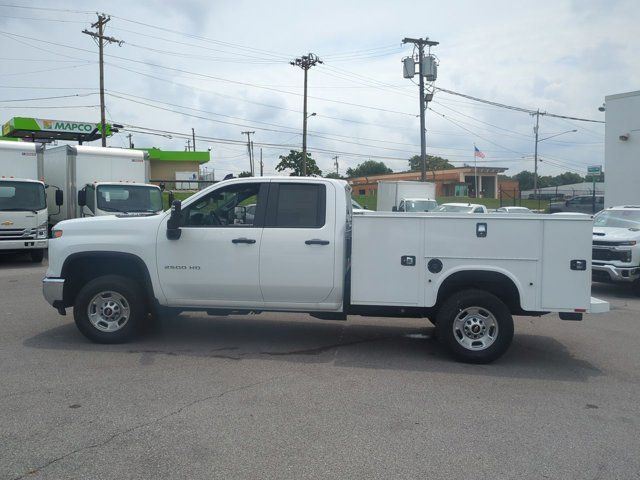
(298, 246)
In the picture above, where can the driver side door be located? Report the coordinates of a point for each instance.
(214, 263)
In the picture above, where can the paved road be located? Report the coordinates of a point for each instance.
(285, 396)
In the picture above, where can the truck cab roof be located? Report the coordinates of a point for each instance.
(16, 179)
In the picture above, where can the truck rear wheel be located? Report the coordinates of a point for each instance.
(36, 255)
(110, 309)
(475, 326)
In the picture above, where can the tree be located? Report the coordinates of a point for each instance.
(334, 175)
(525, 180)
(244, 174)
(370, 167)
(294, 162)
(433, 163)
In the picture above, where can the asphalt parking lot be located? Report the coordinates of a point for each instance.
(287, 396)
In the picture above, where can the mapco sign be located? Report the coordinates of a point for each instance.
(48, 130)
(63, 126)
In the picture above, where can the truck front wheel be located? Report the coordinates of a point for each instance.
(109, 309)
(475, 326)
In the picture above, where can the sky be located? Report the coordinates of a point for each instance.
(222, 68)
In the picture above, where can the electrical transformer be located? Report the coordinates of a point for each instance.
(429, 68)
(408, 67)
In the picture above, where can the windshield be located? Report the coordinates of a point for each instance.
(129, 198)
(19, 196)
(454, 208)
(420, 205)
(618, 219)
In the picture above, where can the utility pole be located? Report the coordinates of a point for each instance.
(305, 63)
(335, 162)
(424, 100)
(130, 142)
(248, 134)
(535, 155)
(193, 135)
(100, 40)
(261, 164)
(187, 148)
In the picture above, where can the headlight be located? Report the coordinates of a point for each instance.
(42, 231)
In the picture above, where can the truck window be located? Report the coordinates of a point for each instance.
(232, 206)
(128, 198)
(296, 205)
(91, 198)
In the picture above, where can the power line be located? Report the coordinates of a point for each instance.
(519, 109)
(48, 98)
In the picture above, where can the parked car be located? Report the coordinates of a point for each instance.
(579, 204)
(358, 209)
(616, 246)
(305, 252)
(514, 209)
(417, 205)
(462, 208)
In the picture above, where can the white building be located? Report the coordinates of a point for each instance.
(622, 149)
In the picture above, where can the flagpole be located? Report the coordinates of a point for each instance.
(475, 167)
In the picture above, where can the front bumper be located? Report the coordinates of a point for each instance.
(15, 245)
(53, 290)
(615, 274)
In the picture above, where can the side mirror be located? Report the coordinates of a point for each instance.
(394, 209)
(82, 198)
(171, 196)
(59, 198)
(173, 224)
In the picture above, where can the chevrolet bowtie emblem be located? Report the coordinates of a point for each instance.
(7, 223)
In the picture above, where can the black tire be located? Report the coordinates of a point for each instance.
(456, 305)
(37, 255)
(134, 300)
(636, 287)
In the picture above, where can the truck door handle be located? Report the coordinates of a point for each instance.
(243, 240)
(316, 241)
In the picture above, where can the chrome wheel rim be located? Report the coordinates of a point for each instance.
(475, 328)
(108, 311)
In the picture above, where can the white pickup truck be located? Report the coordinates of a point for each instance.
(304, 251)
(616, 246)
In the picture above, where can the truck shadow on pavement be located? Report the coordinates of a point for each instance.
(19, 261)
(617, 291)
(364, 343)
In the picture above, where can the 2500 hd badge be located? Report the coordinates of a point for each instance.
(182, 267)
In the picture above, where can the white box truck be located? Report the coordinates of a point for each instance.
(100, 181)
(23, 207)
(302, 250)
(406, 196)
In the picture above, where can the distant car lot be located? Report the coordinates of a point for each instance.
(287, 396)
(579, 204)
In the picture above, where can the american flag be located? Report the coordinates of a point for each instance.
(477, 153)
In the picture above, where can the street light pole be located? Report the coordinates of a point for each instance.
(305, 62)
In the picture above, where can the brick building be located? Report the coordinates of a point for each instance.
(452, 182)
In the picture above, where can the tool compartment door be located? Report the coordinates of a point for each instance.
(387, 260)
(566, 240)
